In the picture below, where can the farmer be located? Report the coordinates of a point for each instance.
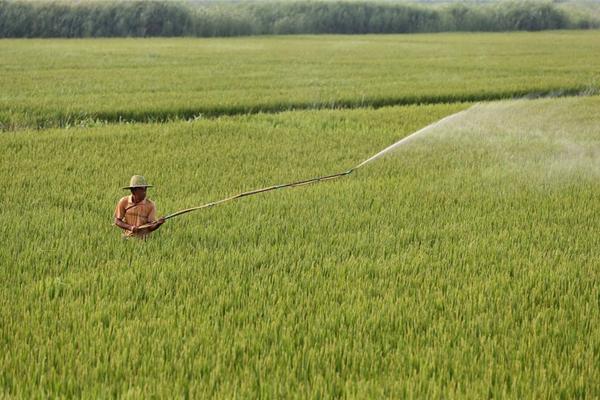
(135, 211)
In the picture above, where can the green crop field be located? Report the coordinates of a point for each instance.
(463, 264)
(69, 82)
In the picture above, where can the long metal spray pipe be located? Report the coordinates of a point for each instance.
(263, 190)
(317, 179)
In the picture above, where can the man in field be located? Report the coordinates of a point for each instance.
(136, 214)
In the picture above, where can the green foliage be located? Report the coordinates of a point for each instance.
(465, 265)
(49, 83)
(94, 19)
(172, 18)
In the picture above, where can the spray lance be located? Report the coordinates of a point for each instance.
(312, 180)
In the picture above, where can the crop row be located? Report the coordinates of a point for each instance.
(65, 83)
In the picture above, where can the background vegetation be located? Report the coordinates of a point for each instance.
(162, 18)
(49, 83)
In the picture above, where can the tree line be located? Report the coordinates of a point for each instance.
(27, 19)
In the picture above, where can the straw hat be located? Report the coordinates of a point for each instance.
(137, 181)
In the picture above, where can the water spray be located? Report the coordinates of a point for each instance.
(317, 179)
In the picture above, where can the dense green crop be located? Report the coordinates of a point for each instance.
(45, 83)
(465, 265)
(26, 19)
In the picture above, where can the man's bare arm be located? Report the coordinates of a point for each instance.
(123, 225)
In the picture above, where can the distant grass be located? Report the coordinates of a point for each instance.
(451, 269)
(59, 83)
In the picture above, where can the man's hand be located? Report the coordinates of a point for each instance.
(156, 224)
(134, 229)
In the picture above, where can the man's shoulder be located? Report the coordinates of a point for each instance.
(124, 200)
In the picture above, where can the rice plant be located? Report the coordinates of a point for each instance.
(67, 83)
(465, 264)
